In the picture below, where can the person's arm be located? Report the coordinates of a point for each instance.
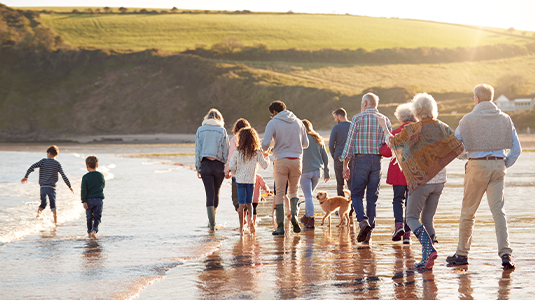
(232, 148)
(515, 151)
(332, 140)
(198, 149)
(233, 165)
(31, 169)
(224, 144)
(263, 159)
(263, 184)
(325, 159)
(349, 148)
(304, 137)
(268, 136)
(65, 179)
(83, 189)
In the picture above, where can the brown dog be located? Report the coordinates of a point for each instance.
(331, 204)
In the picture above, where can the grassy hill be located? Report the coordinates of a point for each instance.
(176, 32)
(51, 90)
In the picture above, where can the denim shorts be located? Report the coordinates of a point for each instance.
(245, 192)
(51, 193)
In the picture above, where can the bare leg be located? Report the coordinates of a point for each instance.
(55, 216)
(249, 213)
(240, 212)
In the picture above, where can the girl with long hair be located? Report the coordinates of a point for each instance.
(244, 164)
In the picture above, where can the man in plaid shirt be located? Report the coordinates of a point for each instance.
(362, 146)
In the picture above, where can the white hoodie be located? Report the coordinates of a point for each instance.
(289, 134)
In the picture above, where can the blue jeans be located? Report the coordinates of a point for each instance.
(93, 213)
(400, 195)
(51, 193)
(365, 176)
(308, 182)
(245, 192)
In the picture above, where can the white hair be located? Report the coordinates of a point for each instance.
(371, 98)
(424, 106)
(404, 113)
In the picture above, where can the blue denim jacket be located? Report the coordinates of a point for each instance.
(211, 140)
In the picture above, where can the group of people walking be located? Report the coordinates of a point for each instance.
(421, 147)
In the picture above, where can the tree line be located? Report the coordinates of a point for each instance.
(231, 48)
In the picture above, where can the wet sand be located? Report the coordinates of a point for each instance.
(171, 255)
(328, 263)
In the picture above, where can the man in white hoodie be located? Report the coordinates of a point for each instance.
(290, 138)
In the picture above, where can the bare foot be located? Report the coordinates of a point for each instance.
(252, 228)
(38, 213)
(94, 235)
(89, 236)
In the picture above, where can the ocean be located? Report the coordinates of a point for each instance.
(154, 241)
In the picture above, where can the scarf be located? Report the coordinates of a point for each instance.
(423, 149)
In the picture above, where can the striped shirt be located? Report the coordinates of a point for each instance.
(48, 172)
(365, 135)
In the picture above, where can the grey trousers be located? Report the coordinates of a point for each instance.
(422, 204)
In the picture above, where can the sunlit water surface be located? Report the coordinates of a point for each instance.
(154, 241)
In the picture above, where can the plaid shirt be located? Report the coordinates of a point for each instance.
(365, 135)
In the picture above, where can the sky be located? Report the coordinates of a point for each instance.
(519, 14)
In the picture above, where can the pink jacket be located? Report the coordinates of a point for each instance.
(232, 146)
(260, 183)
(395, 175)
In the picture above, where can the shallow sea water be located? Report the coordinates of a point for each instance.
(154, 241)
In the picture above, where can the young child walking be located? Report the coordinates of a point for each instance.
(92, 195)
(244, 164)
(49, 168)
(259, 183)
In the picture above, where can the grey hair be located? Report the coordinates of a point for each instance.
(424, 106)
(372, 99)
(213, 113)
(404, 113)
(484, 92)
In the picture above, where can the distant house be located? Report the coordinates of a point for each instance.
(516, 105)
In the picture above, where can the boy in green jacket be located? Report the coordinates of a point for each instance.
(92, 195)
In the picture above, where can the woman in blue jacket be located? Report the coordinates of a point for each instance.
(211, 152)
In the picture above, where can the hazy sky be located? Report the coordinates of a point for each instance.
(519, 14)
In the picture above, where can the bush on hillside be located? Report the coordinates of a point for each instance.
(260, 52)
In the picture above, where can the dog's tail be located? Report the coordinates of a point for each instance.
(348, 193)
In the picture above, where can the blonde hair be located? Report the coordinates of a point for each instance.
(424, 106)
(404, 113)
(310, 131)
(213, 113)
(484, 92)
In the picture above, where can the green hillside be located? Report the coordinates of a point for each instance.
(50, 90)
(176, 32)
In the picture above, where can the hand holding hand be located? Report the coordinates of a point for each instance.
(227, 175)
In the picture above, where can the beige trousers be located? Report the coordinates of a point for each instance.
(483, 176)
(286, 170)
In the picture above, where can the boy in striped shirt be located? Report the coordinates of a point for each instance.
(49, 168)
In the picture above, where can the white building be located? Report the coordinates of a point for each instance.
(516, 105)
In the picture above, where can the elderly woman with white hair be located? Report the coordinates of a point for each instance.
(424, 149)
(396, 178)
